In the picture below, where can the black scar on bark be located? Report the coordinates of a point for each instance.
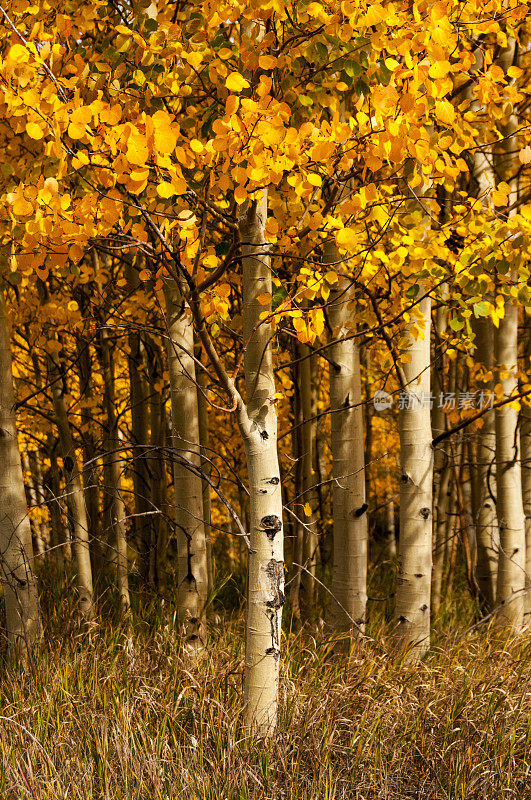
(275, 572)
(424, 607)
(359, 512)
(68, 463)
(404, 478)
(402, 619)
(418, 575)
(273, 481)
(424, 513)
(264, 434)
(271, 525)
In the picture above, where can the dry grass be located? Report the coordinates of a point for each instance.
(106, 713)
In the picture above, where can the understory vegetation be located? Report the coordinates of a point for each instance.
(117, 711)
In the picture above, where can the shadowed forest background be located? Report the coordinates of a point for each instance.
(265, 409)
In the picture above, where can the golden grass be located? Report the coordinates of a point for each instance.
(112, 712)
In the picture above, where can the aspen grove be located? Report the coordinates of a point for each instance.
(265, 405)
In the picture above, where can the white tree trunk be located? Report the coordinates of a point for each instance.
(192, 573)
(412, 612)
(510, 508)
(512, 555)
(525, 439)
(16, 552)
(349, 578)
(259, 430)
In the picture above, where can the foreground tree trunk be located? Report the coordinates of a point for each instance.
(349, 577)
(510, 508)
(525, 439)
(192, 572)
(412, 611)
(16, 552)
(259, 429)
(512, 555)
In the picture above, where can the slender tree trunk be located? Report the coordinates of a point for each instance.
(512, 555)
(28, 462)
(60, 544)
(297, 526)
(73, 489)
(390, 531)
(349, 578)
(192, 571)
(259, 431)
(487, 534)
(204, 438)
(310, 538)
(16, 551)
(510, 509)
(440, 479)
(525, 439)
(412, 611)
(139, 395)
(118, 512)
(90, 466)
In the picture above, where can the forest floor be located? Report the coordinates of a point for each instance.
(111, 712)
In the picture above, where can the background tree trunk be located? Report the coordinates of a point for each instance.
(192, 573)
(349, 577)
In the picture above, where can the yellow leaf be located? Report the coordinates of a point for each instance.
(240, 195)
(18, 53)
(22, 208)
(34, 130)
(314, 179)
(439, 70)
(267, 62)
(307, 510)
(331, 277)
(196, 146)
(264, 299)
(76, 130)
(444, 111)
(165, 190)
(347, 239)
(499, 198)
(165, 140)
(236, 82)
(514, 72)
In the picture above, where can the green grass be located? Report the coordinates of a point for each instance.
(113, 712)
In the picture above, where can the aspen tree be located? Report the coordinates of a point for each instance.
(487, 535)
(16, 550)
(441, 469)
(192, 573)
(510, 510)
(118, 512)
(73, 489)
(139, 398)
(525, 444)
(259, 430)
(349, 577)
(310, 539)
(412, 611)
